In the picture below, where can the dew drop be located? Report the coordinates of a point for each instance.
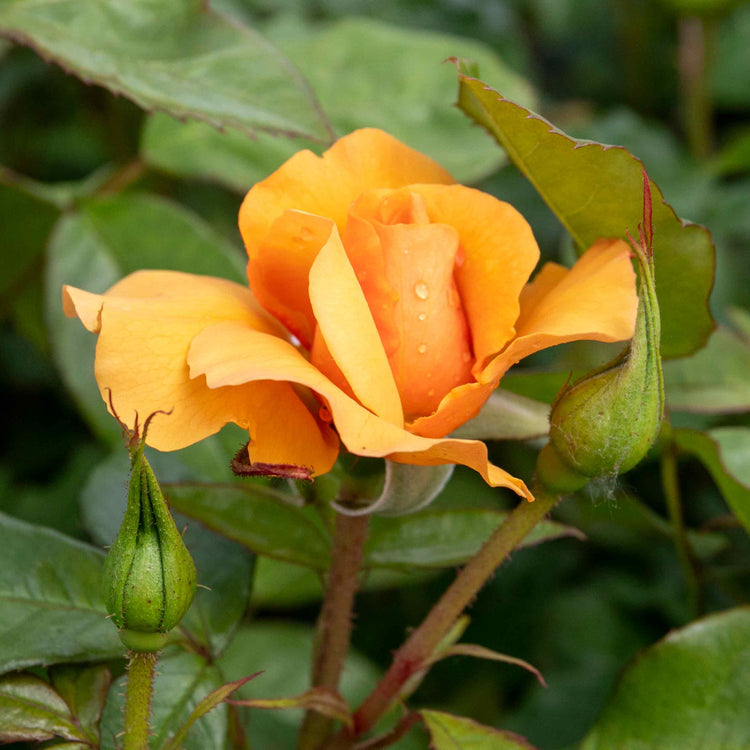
(306, 234)
(421, 290)
(466, 357)
(422, 316)
(422, 348)
(431, 392)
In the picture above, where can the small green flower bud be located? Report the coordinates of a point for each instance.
(604, 424)
(149, 575)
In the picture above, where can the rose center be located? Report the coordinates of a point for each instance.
(405, 266)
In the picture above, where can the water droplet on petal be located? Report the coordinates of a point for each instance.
(306, 234)
(431, 392)
(422, 316)
(466, 357)
(421, 290)
(422, 348)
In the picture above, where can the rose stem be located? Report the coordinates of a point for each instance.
(138, 699)
(420, 645)
(671, 487)
(335, 621)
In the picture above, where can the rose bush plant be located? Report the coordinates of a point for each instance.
(375, 313)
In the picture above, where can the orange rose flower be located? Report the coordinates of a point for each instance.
(385, 304)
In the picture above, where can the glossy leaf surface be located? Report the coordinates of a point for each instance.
(596, 191)
(204, 66)
(448, 732)
(51, 608)
(443, 538)
(688, 692)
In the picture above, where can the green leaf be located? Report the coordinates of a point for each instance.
(688, 692)
(284, 652)
(597, 191)
(370, 73)
(725, 452)
(211, 701)
(182, 681)
(507, 416)
(51, 609)
(31, 710)
(177, 56)
(278, 584)
(713, 381)
(224, 568)
(94, 248)
(321, 700)
(194, 149)
(443, 538)
(366, 73)
(480, 652)
(448, 732)
(85, 690)
(258, 518)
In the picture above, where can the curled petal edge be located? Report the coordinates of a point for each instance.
(230, 354)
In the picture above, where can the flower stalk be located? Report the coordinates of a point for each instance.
(138, 693)
(335, 621)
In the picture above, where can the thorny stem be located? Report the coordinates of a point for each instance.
(695, 42)
(419, 647)
(138, 699)
(671, 487)
(335, 621)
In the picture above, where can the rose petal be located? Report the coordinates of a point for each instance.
(594, 300)
(499, 254)
(229, 354)
(405, 265)
(147, 322)
(458, 406)
(324, 186)
(347, 326)
(279, 270)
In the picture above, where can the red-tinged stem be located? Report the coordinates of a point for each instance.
(419, 647)
(335, 621)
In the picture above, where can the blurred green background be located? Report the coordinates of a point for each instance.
(668, 80)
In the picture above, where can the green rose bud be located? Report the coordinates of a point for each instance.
(149, 575)
(604, 424)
